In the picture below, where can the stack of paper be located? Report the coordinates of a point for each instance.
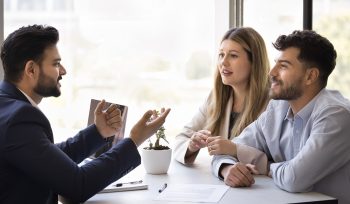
(131, 186)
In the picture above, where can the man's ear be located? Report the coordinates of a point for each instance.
(29, 69)
(312, 75)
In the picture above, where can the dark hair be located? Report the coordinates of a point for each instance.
(315, 51)
(26, 43)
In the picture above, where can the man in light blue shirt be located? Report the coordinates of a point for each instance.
(302, 140)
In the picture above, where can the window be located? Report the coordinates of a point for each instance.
(272, 18)
(144, 54)
(331, 19)
(155, 53)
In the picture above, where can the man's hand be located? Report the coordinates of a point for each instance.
(219, 145)
(109, 121)
(148, 125)
(198, 140)
(239, 175)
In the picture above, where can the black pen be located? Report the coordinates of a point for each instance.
(163, 188)
(132, 182)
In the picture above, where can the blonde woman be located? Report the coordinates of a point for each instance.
(239, 95)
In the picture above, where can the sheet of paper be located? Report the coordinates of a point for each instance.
(193, 193)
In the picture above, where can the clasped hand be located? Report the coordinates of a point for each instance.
(216, 144)
(239, 174)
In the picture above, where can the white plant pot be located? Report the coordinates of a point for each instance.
(156, 161)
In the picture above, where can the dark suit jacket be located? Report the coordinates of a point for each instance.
(34, 170)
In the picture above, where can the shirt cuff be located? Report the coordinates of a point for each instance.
(217, 166)
(251, 155)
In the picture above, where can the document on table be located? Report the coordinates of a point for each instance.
(193, 193)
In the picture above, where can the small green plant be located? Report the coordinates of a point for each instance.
(159, 135)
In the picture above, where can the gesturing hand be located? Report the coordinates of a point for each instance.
(148, 125)
(109, 121)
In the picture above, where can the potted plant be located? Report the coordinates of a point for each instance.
(156, 157)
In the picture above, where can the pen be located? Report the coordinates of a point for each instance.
(163, 188)
(132, 182)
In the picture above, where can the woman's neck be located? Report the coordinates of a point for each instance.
(239, 96)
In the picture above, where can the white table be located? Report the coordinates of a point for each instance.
(263, 191)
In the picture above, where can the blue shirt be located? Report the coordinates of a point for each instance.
(308, 151)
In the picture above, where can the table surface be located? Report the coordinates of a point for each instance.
(263, 191)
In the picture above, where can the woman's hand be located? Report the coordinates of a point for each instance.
(219, 145)
(198, 140)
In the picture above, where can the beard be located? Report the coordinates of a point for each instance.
(291, 92)
(47, 86)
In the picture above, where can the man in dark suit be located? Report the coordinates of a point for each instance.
(32, 168)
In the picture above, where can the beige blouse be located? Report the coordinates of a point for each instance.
(197, 123)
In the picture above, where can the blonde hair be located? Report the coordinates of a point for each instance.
(258, 84)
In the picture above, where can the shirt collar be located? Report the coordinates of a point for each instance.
(30, 99)
(289, 114)
(305, 112)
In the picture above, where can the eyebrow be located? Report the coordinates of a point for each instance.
(230, 50)
(283, 61)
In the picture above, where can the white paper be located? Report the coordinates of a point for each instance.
(193, 193)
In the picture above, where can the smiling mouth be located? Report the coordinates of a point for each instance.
(58, 82)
